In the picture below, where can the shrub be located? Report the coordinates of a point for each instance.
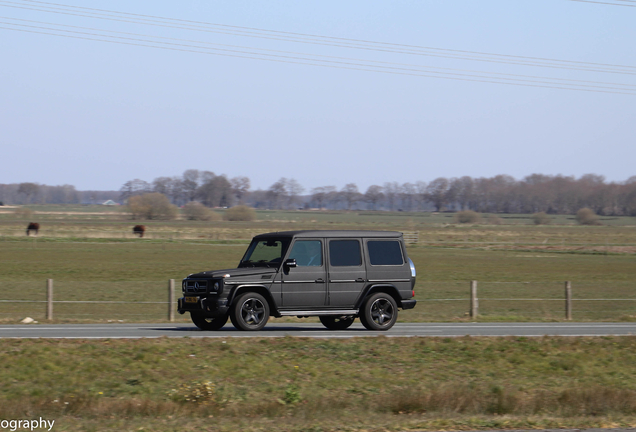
(495, 220)
(586, 216)
(152, 206)
(240, 213)
(197, 211)
(467, 216)
(541, 218)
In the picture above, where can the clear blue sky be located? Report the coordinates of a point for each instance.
(95, 114)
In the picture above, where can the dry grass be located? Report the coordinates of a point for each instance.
(297, 384)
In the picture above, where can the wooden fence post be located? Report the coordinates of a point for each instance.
(171, 300)
(568, 300)
(49, 299)
(474, 302)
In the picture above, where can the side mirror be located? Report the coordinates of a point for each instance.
(291, 263)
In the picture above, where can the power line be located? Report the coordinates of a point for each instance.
(330, 64)
(322, 40)
(316, 57)
(608, 3)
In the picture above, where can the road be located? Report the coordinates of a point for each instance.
(122, 331)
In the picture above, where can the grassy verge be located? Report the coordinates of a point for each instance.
(291, 384)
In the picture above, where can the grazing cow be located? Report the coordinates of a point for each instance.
(33, 226)
(139, 230)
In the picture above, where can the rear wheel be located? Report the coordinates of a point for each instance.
(205, 323)
(337, 322)
(379, 312)
(250, 311)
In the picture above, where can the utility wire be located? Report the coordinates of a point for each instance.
(317, 57)
(320, 40)
(607, 3)
(323, 63)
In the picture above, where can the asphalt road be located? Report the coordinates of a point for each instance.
(116, 331)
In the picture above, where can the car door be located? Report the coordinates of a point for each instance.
(347, 273)
(305, 286)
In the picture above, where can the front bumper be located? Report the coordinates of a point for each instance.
(209, 307)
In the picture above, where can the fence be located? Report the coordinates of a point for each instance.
(441, 300)
(129, 300)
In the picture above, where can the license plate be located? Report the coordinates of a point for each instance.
(191, 299)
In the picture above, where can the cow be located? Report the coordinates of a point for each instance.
(33, 226)
(139, 230)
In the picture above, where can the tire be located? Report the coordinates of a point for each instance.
(379, 312)
(337, 322)
(205, 323)
(250, 311)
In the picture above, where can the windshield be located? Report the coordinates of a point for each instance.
(265, 253)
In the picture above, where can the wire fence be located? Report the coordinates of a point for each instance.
(132, 301)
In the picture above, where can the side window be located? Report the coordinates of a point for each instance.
(385, 252)
(307, 253)
(344, 253)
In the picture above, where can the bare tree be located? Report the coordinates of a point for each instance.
(133, 188)
(373, 195)
(190, 183)
(294, 189)
(350, 194)
(240, 187)
(319, 196)
(391, 191)
(277, 193)
(407, 196)
(216, 192)
(29, 190)
(437, 192)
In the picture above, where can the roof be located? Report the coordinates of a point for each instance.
(333, 233)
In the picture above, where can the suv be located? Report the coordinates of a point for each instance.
(335, 275)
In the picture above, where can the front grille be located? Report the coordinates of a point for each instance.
(195, 286)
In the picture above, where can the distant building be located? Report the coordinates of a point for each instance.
(109, 202)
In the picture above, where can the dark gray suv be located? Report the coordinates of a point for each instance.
(335, 275)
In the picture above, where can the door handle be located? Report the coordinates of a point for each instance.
(320, 280)
(359, 280)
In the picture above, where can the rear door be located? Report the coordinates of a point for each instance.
(347, 273)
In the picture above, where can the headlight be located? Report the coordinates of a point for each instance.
(184, 284)
(216, 287)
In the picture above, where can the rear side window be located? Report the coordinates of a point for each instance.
(344, 253)
(385, 252)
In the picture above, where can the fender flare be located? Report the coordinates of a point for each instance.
(375, 288)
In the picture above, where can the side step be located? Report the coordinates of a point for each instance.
(339, 312)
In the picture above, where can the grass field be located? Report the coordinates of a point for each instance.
(91, 254)
(295, 384)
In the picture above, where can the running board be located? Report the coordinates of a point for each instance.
(339, 312)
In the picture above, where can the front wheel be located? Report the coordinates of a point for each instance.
(337, 322)
(379, 312)
(250, 311)
(205, 323)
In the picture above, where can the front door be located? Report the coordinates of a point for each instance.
(305, 286)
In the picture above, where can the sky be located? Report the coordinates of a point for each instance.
(322, 91)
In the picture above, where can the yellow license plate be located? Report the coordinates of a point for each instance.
(191, 299)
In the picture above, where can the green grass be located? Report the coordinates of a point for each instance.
(91, 254)
(292, 384)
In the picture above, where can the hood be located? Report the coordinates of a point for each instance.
(248, 271)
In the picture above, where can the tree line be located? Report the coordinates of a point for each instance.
(499, 194)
